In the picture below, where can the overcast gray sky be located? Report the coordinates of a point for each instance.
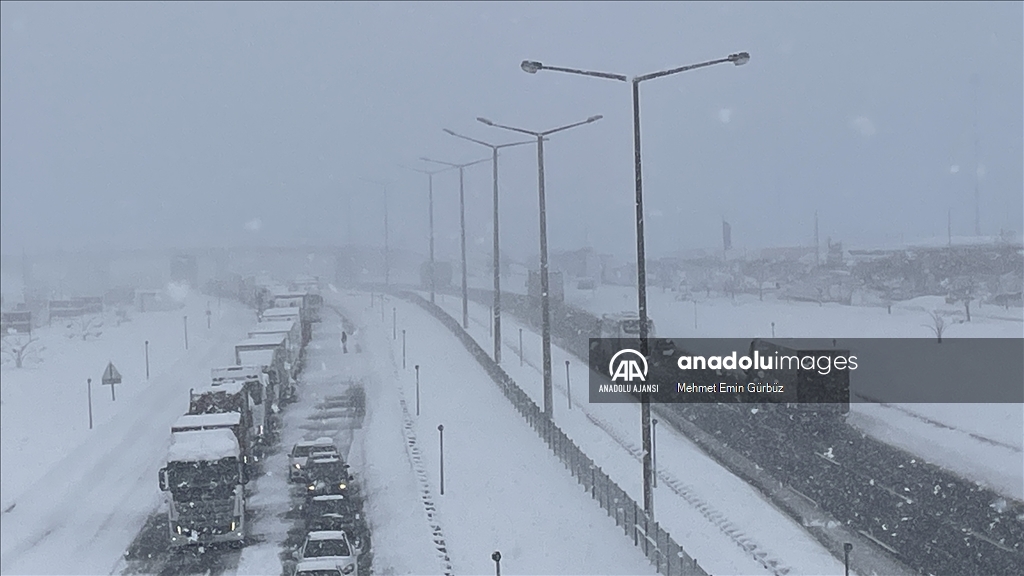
(180, 124)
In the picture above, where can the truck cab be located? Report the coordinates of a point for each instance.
(204, 484)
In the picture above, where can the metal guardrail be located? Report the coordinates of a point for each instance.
(658, 546)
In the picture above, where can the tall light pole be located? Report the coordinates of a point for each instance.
(497, 264)
(387, 249)
(430, 211)
(533, 67)
(462, 223)
(544, 303)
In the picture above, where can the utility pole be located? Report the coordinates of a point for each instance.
(975, 82)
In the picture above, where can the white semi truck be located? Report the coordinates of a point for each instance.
(204, 482)
(291, 330)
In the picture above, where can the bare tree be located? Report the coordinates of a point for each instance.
(85, 327)
(20, 348)
(938, 325)
(963, 289)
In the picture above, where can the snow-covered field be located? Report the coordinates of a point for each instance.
(74, 498)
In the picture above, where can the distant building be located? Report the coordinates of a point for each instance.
(185, 268)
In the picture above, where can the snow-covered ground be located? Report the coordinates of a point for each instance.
(716, 517)
(504, 490)
(75, 498)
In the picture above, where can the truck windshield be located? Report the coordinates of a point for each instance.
(203, 479)
(321, 548)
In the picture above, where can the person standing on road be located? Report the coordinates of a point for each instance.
(344, 342)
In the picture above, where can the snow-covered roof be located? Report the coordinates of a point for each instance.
(325, 460)
(248, 372)
(202, 445)
(272, 327)
(227, 387)
(317, 565)
(208, 420)
(257, 357)
(322, 441)
(263, 340)
(275, 312)
(327, 535)
(289, 294)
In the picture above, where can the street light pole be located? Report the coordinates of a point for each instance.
(533, 67)
(387, 250)
(544, 301)
(496, 309)
(430, 211)
(462, 222)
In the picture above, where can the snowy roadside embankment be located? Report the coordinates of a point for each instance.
(82, 513)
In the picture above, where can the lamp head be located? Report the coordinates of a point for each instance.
(594, 118)
(485, 121)
(447, 131)
(531, 66)
(740, 58)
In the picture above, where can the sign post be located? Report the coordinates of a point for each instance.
(111, 377)
(184, 320)
(88, 384)
(147, 359)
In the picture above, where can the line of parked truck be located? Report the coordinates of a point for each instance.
(217, 445)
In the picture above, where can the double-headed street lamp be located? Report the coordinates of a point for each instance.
(430, 211)
(462, 222)
(497, 264)
(533, 67)
(544, 305)
(387, 250)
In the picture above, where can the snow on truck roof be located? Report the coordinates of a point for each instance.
(249, 372)
(263, 340)
(272, 327)
(208, 420)
(283, 311)
(258, 357)
(229, 387)
(202, 445)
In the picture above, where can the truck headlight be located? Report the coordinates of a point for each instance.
(232, 526)
(297, 466)
(311, 487)
(342, 486)
(348, 569)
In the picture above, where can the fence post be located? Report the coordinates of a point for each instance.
(634, 525)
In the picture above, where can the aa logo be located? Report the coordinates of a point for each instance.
(627, 368)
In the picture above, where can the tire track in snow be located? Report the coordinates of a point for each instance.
(413, 451)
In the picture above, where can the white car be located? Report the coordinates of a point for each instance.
(330, 547)
(300, 454)
(316, 568)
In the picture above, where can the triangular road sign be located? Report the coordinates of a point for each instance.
(111, 375)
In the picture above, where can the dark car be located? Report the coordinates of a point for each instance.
(327, 476)
(339, 512)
